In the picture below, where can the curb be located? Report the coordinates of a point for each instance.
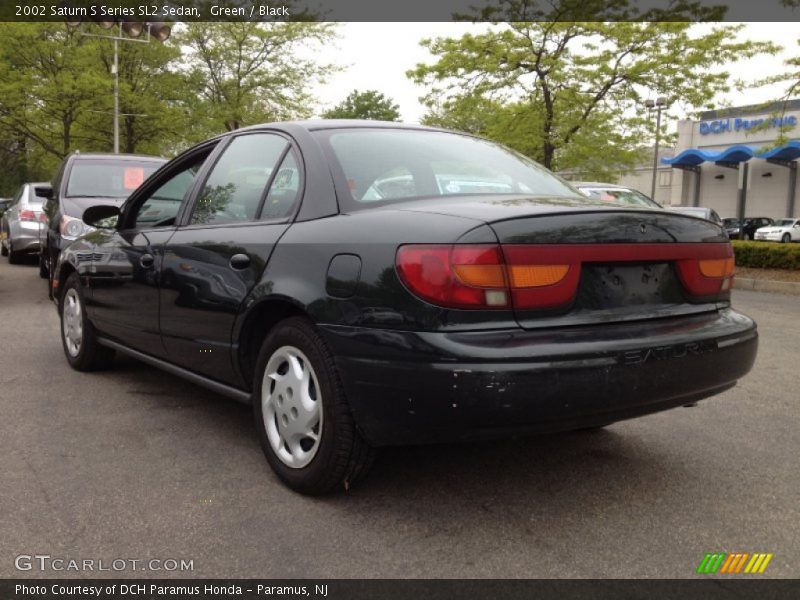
(767, 285)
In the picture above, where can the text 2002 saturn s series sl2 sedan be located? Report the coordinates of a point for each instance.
(368, 284)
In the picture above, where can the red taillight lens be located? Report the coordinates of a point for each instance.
(707, 276)
(27, 215)
(455, 276)
(546, 276)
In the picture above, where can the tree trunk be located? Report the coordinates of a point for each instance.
(548, 153)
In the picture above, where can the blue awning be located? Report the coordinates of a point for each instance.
(734, 154)
(790, 151)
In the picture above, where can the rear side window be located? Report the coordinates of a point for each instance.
(234, 188)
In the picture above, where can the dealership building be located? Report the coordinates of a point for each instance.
(730, 160)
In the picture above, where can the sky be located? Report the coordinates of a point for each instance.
(377, 56)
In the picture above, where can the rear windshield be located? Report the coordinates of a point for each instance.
(620, 196)
(33, 201)
(105, 178)
(385, 165)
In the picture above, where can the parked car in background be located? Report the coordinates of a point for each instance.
(609, 192)
(4, 202)
(782, 230)
(748, 232)
(20, 223)
(276, 276)
(709, 214)
(81, 181)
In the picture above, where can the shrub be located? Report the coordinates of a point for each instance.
(767, 255)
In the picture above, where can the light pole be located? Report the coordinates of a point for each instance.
(133, 30)
(658, 105)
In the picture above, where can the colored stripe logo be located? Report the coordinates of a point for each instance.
(734, 563)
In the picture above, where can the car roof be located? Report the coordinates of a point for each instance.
(318, 124)
(597, 184)
(112, 156)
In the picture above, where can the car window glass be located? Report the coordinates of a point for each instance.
(382, 166)
(107, 177)
(234, 188)
(284, 190)
(162, 206)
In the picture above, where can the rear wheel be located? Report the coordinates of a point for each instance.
(13, 257)
(78, 336)
(44, 272)
(786, 238)
(302, 416)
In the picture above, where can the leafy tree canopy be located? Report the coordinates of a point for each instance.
(370, 104)
(570, 94)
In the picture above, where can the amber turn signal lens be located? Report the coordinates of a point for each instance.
(527, 276)
(481, 276)
(720, 267)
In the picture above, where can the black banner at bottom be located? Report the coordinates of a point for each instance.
(390, 589)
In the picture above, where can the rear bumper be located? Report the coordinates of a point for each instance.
(24, 236)
(407, 387)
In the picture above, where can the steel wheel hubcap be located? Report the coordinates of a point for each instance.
(291, 404)
(72, 322)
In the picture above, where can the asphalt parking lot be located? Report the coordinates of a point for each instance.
(135, 463)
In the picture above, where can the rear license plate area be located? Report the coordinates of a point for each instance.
(616, 285)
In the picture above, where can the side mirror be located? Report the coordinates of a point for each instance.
(43, 191)
(94, 216)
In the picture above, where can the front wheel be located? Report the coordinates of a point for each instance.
(302, 416)
(78, 336)
(786, 238)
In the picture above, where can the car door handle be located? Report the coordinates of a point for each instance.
(240, 261)
(146, 260)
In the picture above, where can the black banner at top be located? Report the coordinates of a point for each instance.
(402, 10)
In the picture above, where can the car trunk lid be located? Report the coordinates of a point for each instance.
(621, 265)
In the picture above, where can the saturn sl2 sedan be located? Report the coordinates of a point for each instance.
(365, 284)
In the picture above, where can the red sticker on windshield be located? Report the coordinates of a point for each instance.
(133, 178)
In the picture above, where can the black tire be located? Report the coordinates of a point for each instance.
(342, 455)
(14, 258)
(786, 238)
(44, 272)
(90, 356)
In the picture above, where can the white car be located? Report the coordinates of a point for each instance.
(783, 230)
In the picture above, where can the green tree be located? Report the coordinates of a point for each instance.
(370, 104)
(49, 83)
(152, 90)
(566, 92)
(246, 73)
(56, 97)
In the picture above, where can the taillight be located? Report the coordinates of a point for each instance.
(707, 277)
(27, 215)
(455, 276)
(546, 276)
